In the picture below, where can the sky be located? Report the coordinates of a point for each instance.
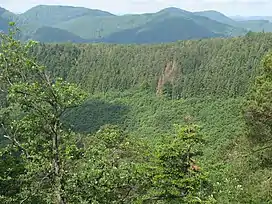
(228, 7)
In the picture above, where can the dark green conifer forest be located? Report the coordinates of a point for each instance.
(183, 122)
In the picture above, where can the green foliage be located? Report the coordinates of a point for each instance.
(205, 74)
(110, 170)
(30, 119)
(50, 15)
(102, 26)
(217, 16)
(51, 35)
(176, 177)
(161, 31)
(93, 114)
(258, 114)
(168, 90)
(215, 67)
(146, 162)
(11, 168)
(258, 111)
(236, 178)
(47, 162)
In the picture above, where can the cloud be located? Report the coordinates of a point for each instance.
(230, 7)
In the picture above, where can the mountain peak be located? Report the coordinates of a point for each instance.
(217, 16)
(64, 8)
(6, 14)
(173, 10)
(53, 6)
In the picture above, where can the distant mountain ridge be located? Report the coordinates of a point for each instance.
(249, 18)
(56, 35)
(169, 29)
(50, 15)
(217, 16)
(47, 23)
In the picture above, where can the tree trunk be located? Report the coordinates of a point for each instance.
(56, 168)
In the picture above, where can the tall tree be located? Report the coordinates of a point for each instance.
(111, 169)
(258, 112)
(176, 176)
(31, 119)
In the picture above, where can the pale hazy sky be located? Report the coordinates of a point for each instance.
(228, 7)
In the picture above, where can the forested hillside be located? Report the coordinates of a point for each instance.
(216, 67)
(50, 15)
(217, 16)
(183, 122)
(145, 89)
(161, 31)
(56, 35)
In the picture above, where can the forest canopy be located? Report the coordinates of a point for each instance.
(97, 123)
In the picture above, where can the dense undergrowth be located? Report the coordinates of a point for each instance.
(237, 176)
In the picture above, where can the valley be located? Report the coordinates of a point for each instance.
(166, 107)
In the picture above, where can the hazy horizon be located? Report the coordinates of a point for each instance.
(120, 7)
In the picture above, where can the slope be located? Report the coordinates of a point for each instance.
(217, 16)
(53, 35)
(3, 24)
(211, 67)
(100, 25)
(257, 25)
(213, 25)
(248, 18)
(6, 17)
(50, 15)
(210, 76)
(161, 31)
(7, 14)
(103, 27)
